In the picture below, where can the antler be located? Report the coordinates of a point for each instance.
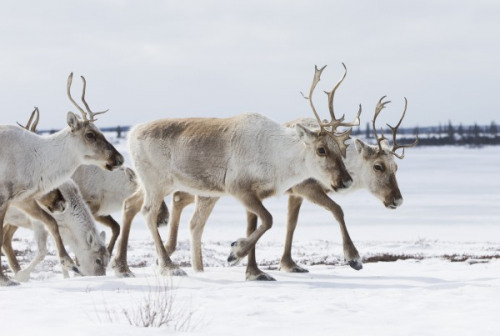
(380, 106)
(316, 79)
(35, 123)
(68, 91)
(92, 114)
(331, 94)
(394, 130)
(82, 111)
(334, 123)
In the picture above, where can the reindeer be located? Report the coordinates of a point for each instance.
(105, 192)
(31, 165)
(76, 226)
(241, 156)
(371, 167)
(66, 206)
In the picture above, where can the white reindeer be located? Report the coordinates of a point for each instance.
(31, 165)
(105, 191)
(242, 156)
(371, 167)
(76, 226)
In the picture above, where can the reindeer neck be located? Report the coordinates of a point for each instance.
(58, 158)
(293, 156)
(354, 163)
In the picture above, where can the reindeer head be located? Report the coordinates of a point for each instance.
(328, 145)
(379, 168)
(76, 224)
(96, 258)
(97, 149)
(67, 207)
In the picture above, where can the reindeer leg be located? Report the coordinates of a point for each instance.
(115, 229)
(180, 200)
(40, 235)
(242, 246)
(203, 209)
(4, 280)
(253, 272)
(315, 194)
(8, 233)
(35, 211)
(163, 215)
(287, 264)
(150, 210)
(131, 206)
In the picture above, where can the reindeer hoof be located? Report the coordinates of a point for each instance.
(173, 271)
(121, 273)
(238, 251)
(292, 267)
(179, 272)
(233, 260)
(128, 274)
(298, 269)
(120, 270)
(77, 271)
(260, 277)
(4, 281)
(68, 265)
(265, 277)
(356, 264)
(11, 283)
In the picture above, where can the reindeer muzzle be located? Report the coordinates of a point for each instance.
(116, 161)
(394, 203)
(344, 184)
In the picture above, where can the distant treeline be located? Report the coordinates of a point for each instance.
(471, 135)
(441, 135)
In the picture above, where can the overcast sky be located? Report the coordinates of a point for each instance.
(147, 60)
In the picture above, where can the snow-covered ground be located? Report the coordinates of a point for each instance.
(451, 211)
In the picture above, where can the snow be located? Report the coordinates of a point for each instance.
(451, 208)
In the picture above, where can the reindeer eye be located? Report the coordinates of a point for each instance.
(321, 151)
(378, 167)
(90, 135)
(98, 262)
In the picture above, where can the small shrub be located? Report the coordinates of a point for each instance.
(154, 310)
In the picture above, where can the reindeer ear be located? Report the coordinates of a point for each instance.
(364, 149)
(102, 235)
(53, 201)
(90, 238)
(360, 145)
(385, 143)
(73, 121)
(306, 135)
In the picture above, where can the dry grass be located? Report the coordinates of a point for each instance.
(470, 258)
(387, 257)
(154, 310)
